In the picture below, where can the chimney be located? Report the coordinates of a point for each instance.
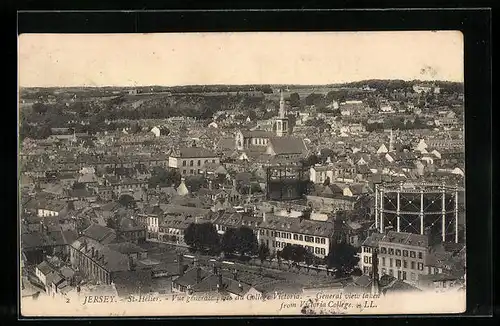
(131, 263)
(214, 266)
(198, 275)
(375, 280)
(93, 252)
(97, 254)
(219, 283)
(180, 264)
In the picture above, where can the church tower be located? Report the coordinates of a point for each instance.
(282, 125)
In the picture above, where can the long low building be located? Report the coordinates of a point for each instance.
(278, 231)
(408, 257)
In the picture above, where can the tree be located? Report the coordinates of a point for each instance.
(311, 160)
(202, 237)
(247, 241)
(263, 252)
(229, 242)
(194, 183)
(135, 128)
(294, 253)
(39, 108)
(294, 99)
(127, 201)
(111, 223)
(342, 256)
(326, 182)
(241, 240)
(78, 185)
(164, 178)
(356, 272)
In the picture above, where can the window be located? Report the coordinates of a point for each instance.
(405, 253)
(390, 262)
(391, 272)
(412, 276)
(183, 171)
(370, 260)
(420, 255)
(412, 265)
(412, 254)
(191, 171)
(405, 264)
(213, 161)
(206, 161)
(365, 259)
(384, 271)
(383, 250)
(398, 262)
(317, 240)
(316, 250)
(267, 232)
(322, 251)
(420, 266)
(183, 163)
(191, 163)
(323, 240)
(277, 244)
(391, 251)
(399, 275)
(295, 237)
(383, 261)
(398, 252)
(199, 162)
(300, 237)
(404, 276)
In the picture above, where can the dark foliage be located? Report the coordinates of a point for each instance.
(202, 237)
(342, 256)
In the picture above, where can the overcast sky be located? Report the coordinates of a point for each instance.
(237, 58)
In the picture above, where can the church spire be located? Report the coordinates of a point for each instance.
(281, 123)
(282, 112)
(391, 142)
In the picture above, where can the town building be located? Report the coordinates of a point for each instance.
(190, 160)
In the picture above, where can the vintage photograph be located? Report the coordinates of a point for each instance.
(237, 174)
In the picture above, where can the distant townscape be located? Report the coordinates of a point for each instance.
(242, 191)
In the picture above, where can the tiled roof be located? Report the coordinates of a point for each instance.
(98, 232)
(297, 225)
(288, 145)
(113, 260)
(126, 248)
(189, 277)
(195, 152)
(406, 238)
(45, 268)
(178, 209)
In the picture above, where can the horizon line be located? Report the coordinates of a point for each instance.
(252, 84)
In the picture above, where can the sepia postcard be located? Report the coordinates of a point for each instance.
(241, 174)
